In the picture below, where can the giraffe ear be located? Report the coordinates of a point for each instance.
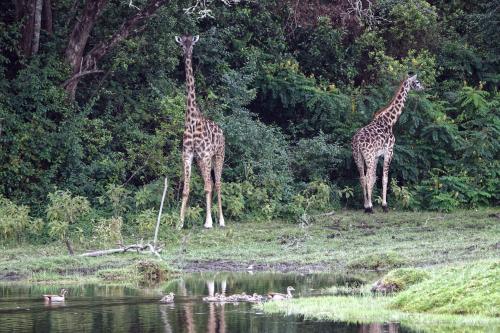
(196, 39)
(178, 39)
(413, 77)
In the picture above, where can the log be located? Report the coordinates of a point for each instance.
(138, 247)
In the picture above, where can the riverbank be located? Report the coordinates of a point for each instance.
(463, 297)
(348, 241)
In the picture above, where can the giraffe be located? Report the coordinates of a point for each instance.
(376, 139)
(203, 141)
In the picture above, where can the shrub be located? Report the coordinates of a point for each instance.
(63, 212)
(15, 221)
(109, 230)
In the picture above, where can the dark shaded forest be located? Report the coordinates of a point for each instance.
(92, 103)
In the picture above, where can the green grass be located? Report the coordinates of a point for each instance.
(402, 278)
(349, 240)
(367, 310)
(462, 297)
(463, 289)
(46, 265)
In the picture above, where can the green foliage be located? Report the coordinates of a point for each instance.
(15, 221)
(63, 211)
(109, 231)
(315, 150)
(288, 92)
(404, 198)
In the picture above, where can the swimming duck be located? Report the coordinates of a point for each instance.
(168, 298)
(56, 298)
(216, 298)
(278, 296)
(255, 298)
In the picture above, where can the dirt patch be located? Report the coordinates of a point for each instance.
(234, 266)
(11, 276)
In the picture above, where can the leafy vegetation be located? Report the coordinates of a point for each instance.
(289, 88)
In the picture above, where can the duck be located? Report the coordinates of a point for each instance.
(215, 298)
(278, 296)
(168, 298)
(255, 298)
(56, 298)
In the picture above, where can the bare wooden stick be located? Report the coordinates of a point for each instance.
(111, 251)
(159, 215)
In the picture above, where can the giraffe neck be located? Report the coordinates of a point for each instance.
(192, 111)
(392, 112)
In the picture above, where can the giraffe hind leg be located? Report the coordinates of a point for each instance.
(206, 167)
(371, 166)
(219, 162)
(360, 163)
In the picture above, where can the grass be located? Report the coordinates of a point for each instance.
(347, 241)
(46, 265)
(402, 278)
(367, 310)
(463, 289)
(459, 298)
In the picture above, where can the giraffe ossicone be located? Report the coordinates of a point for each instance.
(376, 139)
(203, 141)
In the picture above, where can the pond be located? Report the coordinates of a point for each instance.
(102, 308)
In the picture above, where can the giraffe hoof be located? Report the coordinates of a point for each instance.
(369, 210)
(385, 209)
(207, 226)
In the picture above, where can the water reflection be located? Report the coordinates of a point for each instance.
(93, 308)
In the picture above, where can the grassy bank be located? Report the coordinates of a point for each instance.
(340, 242)
(463, 297)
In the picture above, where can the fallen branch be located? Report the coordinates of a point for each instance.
(123, 249)
(325, 214)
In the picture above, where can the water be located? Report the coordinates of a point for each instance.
(97, 308)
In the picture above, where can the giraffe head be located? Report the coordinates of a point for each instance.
(414, 83)
(187, 43)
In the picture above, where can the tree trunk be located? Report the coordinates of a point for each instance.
(69, 246)
(78, 40)
(47, 16)
(25, 10)
(35, 43)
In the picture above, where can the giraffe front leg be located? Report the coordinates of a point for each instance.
(187, 162)
(370, 182)
(206, 168)
(385, 179)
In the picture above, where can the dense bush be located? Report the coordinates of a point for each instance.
(289, 92)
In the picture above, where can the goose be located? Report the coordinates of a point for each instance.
(56, 298)
(278, 296)
(168, 298)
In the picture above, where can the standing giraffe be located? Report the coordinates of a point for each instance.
(376, 139)
(203, 140)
